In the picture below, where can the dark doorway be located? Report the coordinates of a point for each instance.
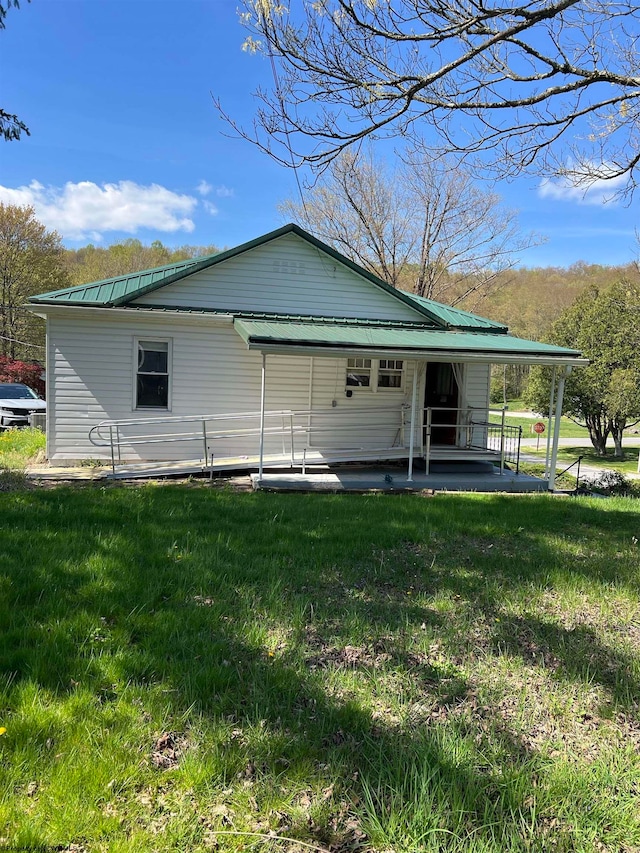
(441, 392)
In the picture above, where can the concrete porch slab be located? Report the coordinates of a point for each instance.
(392, 480)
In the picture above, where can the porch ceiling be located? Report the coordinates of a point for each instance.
(342, 339)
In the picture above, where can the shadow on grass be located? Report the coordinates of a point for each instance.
(184, 590)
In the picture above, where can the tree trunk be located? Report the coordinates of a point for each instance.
(617, 429)
(598, 433)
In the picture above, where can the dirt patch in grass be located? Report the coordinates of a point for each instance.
(168, 750)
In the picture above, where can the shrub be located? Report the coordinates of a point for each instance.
(27, 372)
(609, 483)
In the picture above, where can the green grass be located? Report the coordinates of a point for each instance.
(568, 429)
(191, 669)
(627, 465)
(18, 447)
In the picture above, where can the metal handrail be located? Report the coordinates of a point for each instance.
(296, 427)
(108, 433)
(568, 468)
(509, 436)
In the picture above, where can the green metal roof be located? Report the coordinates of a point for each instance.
(455, 317)
(282, 336)
(121, 291)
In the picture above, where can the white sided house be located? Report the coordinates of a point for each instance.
(278, 353)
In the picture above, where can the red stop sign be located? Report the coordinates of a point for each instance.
(539, 427)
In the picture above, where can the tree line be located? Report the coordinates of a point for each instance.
(33, 260)
(587, 306)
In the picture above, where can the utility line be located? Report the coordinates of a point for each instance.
(22, 343)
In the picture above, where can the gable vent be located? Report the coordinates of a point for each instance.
(286, 267)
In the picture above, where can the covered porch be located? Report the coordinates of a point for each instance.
(437, 425)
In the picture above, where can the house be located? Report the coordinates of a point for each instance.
(279, 352)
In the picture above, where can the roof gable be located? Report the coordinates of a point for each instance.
(128, 290)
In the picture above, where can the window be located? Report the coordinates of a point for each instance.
(389, 373)
(359, 372)
(152, 376)
(373, 374)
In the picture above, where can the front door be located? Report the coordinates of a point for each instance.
(441, 392)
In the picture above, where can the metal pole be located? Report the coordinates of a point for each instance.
(263, 387)
(292, 457)
(502, 442)
(414, 403)
(556, 430)
(428, 448)
(204, 442)
(549, 425)
(113, 459)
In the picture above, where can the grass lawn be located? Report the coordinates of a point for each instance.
(191, 669)
(568, 429)
(627, 465)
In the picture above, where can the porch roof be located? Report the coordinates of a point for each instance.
(342, 339)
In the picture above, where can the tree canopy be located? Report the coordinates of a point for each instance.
(94, 263)
(30, 262)
(605, 396)
(552, 84)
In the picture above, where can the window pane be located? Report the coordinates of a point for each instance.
(390, 380)
(153, 356)
(153, 391)
(360, 380)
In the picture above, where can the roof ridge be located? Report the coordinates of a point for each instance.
(65, 296)
(122, 290)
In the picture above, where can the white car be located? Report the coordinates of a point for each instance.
(17, 402)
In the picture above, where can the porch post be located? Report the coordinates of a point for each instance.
(414, 405)
(263, 386)
(550, 424)
(556, 429)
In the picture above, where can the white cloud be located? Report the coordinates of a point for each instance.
(210, 207)
(86, 209)
(204, 188)
(564, 189)
(224, 192)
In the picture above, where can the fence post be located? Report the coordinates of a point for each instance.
(263, 388)
(292, 457)
(204, 442)
(414, 403)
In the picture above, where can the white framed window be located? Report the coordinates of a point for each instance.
(152, 387)
(359, 372)
(375, 374)
(390, 373)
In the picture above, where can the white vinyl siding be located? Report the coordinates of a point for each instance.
(363, 420)
(91, 374)
(477, 379)
(285, 276)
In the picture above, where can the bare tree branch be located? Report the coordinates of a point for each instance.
(552, 85)
(424, 227)
(11, 127)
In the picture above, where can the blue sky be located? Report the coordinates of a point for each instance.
(126, 141)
